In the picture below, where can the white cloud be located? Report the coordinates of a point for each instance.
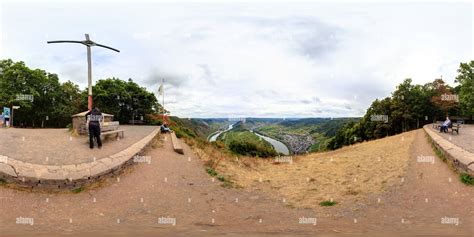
(257, 59)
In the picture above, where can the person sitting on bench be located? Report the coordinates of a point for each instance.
(446, 124)
(165, 129)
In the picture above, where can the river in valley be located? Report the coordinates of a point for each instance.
(214, 137)
(279, 147)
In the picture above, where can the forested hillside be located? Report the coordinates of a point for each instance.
(411, 106)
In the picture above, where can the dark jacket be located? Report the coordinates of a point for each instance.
(94, 116)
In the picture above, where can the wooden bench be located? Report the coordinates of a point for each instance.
(109, 126)
(454, 127)
(118, 132)
(140, 122)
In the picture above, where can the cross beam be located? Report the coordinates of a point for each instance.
(88, 43)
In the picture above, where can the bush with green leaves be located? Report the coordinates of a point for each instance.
(466, 179)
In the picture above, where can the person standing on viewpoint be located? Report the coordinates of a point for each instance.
(94, 119)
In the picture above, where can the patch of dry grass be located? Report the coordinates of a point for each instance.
(348, 174)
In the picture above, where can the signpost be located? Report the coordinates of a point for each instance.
(13, 108)
(88, 43)
(6, 112)
(6, 116)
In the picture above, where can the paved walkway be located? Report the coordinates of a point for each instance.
(58, 147)
(465, 138)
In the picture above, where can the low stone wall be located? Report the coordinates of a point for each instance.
(462, 160)
(69, 176)
(176, 146)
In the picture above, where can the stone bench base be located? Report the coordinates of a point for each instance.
(176, 146)
(119, 133)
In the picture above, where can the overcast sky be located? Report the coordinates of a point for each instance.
(259, 59)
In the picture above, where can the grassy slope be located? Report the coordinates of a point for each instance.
(190, 127)
(344, 175)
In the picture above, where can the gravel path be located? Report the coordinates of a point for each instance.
(175, 187)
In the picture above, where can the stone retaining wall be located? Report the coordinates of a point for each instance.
(69, 176)
(461, 159)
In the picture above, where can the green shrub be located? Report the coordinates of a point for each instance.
(327, 203)
(181, 131)
(211, 171)
(178, 133)
(466, 179)
(78, 189)
(221, 178)
(250, 149)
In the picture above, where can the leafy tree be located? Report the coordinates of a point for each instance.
(68, 102)
(410, 107)
(124, 99)
(53, 102)
(41, 89)
(466, 91)
(443, 98)
(375, 129)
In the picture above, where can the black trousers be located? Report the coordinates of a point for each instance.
(94, 131)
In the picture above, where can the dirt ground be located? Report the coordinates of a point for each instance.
(173, 188)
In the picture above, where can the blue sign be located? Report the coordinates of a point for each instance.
(6, 112)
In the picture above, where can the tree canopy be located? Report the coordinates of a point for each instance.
(410, 107)
(124, 99)
(466, 92)
(46, 102)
